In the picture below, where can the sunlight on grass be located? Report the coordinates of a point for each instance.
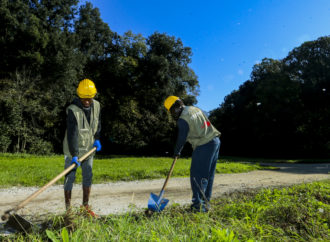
(30, 170)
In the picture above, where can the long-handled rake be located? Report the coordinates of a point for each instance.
(18, 222)
(158, 203)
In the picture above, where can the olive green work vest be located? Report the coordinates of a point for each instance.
(86, 131)
(201, 131)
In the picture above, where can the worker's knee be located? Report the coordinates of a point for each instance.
(87, 174)
(87, 180)
(204, 182)
(69, 180)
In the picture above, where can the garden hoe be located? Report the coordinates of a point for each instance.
(16, 221)
(158, 203)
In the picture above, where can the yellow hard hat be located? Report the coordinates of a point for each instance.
(170, 101)
(86, 89)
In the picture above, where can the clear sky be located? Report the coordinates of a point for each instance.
(227, 37)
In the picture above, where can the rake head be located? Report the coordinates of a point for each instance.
(17, 222)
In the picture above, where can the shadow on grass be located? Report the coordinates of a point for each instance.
(301, 168)
(273, 160)
(297, 166)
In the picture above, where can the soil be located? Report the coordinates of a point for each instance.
(119, 197)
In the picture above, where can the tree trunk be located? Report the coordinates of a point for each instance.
(17, 145)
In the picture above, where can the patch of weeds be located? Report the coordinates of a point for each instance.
(297, 213)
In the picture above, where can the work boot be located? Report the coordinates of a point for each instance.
(67, 198)
(87, 209)
(199, 208)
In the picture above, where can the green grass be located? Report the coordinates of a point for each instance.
(297, 213)
(29, 170)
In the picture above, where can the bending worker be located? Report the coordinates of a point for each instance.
(194, 127)
(82, 134)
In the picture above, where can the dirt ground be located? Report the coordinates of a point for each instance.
(119, 197)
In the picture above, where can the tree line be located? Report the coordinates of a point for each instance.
(49, 46)
(284, 109)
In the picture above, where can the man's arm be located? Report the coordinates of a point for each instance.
(182, 136)
(72, 133)
(98, 131)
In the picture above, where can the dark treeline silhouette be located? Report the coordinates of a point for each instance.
(49, 46)
(284, 110)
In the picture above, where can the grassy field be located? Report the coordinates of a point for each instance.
(297, 213)
(29, 170)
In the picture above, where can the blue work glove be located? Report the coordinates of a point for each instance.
(97, 144)
(75, 161)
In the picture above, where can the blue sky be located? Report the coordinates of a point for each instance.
(227, 37)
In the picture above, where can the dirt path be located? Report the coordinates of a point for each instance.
(117, 197)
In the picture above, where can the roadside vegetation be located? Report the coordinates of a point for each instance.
(30, 170)
(296, 213)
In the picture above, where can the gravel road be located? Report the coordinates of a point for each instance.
(119, 197)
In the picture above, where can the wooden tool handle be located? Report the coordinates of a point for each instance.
(169, 174)
(63, 173)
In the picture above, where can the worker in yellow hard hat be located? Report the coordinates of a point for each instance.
(195, 127)
(82, 134)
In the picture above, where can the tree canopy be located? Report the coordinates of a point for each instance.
(284, 109)
(49, 46)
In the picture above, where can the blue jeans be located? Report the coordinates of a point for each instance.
(87, 173)
(202, 170)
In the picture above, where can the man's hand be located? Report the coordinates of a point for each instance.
(97, 144)
(75, 161)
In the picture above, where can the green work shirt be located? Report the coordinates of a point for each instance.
(201, 131)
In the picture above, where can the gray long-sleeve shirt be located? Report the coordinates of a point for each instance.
(182, 136)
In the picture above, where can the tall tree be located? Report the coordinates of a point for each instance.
(24, 124)
(283, 110)
(58, 44)
(309, 65)
(36, 38)
(135, 80)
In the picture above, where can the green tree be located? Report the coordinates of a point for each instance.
(49, 46)
(283, 110)
(279, 108)
(23, 125)
(36, 36)
(309, 65)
